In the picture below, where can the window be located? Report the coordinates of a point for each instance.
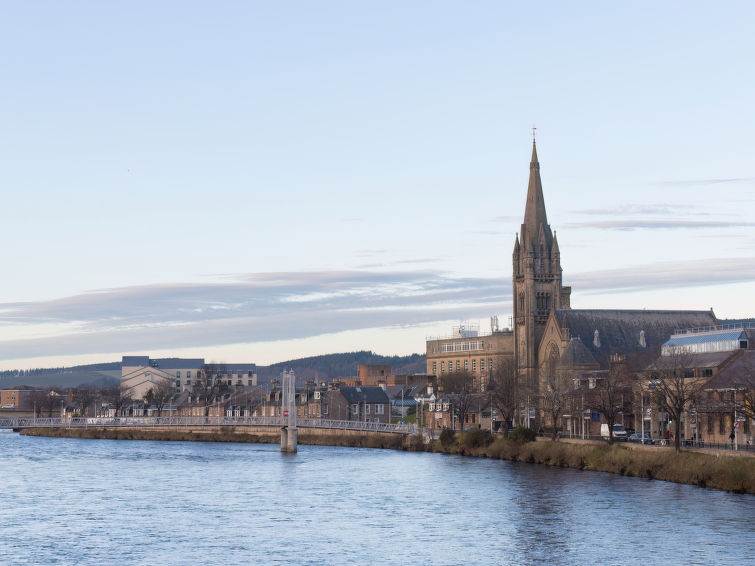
(366, 409)
(355, 409)
(435, 367)
(466, 365)
(721, 428)
(474, 365)
(710, 424)
(458, 365)
(324, 408)
(482, 364)
(442, 367)
(379, 409)
(707, 373)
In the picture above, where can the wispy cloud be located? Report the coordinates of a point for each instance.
(261, 307)
(667, 275)
(637, 209)
(657, 224)
(255, 307)
(702, 182)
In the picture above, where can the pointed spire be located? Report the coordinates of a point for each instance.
(555, 251)
(534, 212)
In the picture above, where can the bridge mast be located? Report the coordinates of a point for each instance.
(289, 433)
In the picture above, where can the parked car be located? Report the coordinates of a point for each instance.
(618, 432)
(639, 439)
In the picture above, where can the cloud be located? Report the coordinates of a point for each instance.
(637, 209)
(253, 308)
(702, 182)
(667, 275)
(657, 224)
(263, 307)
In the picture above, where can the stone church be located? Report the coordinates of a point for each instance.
(548, 333)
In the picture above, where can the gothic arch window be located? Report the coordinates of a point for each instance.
(551, 360)
(521, 301)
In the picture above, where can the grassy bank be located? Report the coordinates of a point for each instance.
(727, 473)
(226, 434)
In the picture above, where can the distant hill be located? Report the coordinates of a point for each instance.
(333, 366)
(96, 375)
(324, 368)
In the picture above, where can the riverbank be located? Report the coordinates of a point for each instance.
(258, 435)
(717, 471)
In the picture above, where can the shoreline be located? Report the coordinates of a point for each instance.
(727, 472)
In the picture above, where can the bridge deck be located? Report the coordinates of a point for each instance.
(19, 423)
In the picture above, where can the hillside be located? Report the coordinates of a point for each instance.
(332, 366)
(97, 375)
(325, 367)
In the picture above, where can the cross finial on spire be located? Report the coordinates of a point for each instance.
(534, 131)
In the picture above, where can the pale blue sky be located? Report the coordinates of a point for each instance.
(253, 181)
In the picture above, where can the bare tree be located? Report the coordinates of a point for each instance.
(554, 395)
(611, 392)
(554, 392)
(84, 397)
(459, 386)
(209, 385)
(45, 401)
(51, 403)
(159, 395)
(117, 398)
(506, 395)
(672, 379)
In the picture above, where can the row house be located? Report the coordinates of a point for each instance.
(368, 404)
(446, 412)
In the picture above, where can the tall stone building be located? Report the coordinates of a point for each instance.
(547, 331)
(537, 277)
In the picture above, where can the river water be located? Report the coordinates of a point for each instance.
(70, 501)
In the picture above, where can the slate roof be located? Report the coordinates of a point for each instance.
(135, 361)
(619, 330)
(179, 363)
(576, 355)
(739, 374)
(162, 363)
(243, 368)
(361, 394)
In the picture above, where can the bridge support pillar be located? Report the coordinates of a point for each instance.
(289, 439)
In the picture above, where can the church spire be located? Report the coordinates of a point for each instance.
(534, 212)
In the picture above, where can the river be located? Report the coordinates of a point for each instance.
(72, 501)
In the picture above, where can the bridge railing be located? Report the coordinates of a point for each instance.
(83, 422)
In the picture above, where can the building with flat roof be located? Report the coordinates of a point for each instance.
(140, 373)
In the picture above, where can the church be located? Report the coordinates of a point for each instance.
(548, 334)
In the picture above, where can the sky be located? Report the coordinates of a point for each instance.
(261, 181)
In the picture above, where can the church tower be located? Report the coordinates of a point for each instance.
(537, 279)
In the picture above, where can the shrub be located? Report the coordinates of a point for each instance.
(476, 438)
(447, 437)
(522, 435)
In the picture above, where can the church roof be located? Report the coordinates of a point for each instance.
(577, 356)
(606, 332)
(736, 375)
